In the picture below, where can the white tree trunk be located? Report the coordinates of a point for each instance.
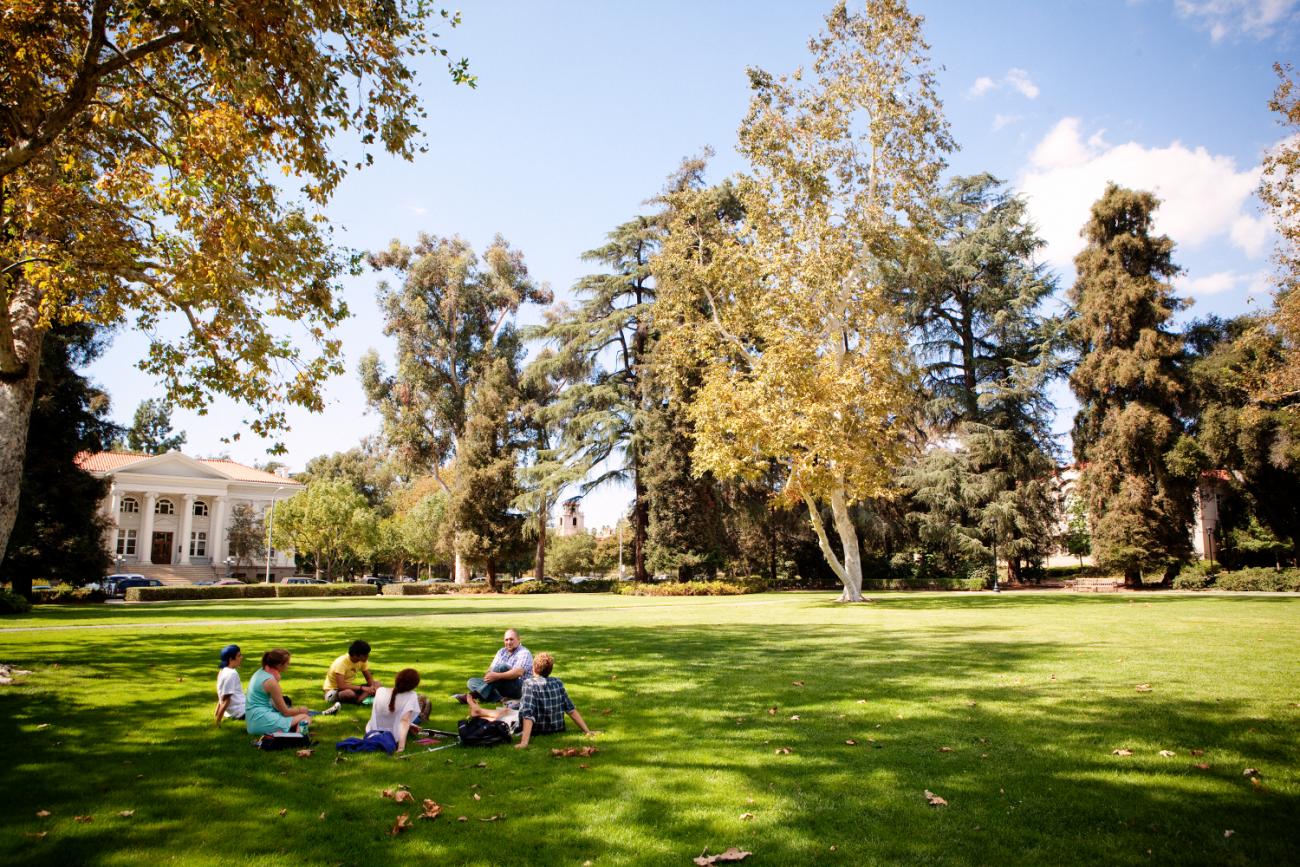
(850, 571)
(461, 573)
(848, 534)
(17, 389)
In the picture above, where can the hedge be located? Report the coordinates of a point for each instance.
(13, 603)
(285, 590)
(1258, 578)
(192, 591)
(924, 584)
(66, 593)
(690, 588)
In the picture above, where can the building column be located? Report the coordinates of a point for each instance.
(187, 527)
(144, 543)
(217, 531)
(114, 503)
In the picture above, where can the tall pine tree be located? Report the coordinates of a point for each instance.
(1130, 388)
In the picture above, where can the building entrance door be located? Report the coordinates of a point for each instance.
(162, 548)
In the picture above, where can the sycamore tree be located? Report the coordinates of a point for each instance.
(806, 356)
(169, 162)
(1279, 189)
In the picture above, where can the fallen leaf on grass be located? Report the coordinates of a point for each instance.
(862, 701)
(794, 718)
(1198, 752)
(403, 823)
(1121, 752)
(783, 751)
(1257, 782)
(321, 817)
(934, 800)
(771, 711)
(42, 727)
(402, 795)
(40, 835)
(462, 818)
(481, 765)
(1251, 772)
(126, 814)
(732, 854)
(432, 809)
(833, 848)
(745, 817)
(851, 742)
(796, 683)
(607, 711)
(476, 797)
(945, 749)
(1143, 687)
(41, 814)
(1168, 754)
(1203, 766)
(970, 704)
(585, 767)
(304, 754)
(490, 819)
(84, 819)
(179, 679)
(1229, 833)
(283, 810)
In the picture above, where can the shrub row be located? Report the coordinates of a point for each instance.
(690, 588)
(600, 585)
(1202, 576)
(246, 591)
(977, 583)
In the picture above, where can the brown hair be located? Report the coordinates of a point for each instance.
(407, 680)
(543, 663)
(275, 658)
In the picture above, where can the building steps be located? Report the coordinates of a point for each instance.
(175, 575)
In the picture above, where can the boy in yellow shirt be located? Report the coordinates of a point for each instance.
(338, 680)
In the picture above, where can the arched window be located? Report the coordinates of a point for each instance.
(129, 505)
(200, 509)
(164, 507)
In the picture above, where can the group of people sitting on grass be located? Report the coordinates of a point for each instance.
(520, 684)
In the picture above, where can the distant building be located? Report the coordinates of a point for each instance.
(571, 521)
(168, 514)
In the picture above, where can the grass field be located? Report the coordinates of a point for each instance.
(1008, 707)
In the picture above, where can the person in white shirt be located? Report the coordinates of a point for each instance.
(230, 692)
(397, 708)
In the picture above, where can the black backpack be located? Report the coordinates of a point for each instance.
(479, 732)
(283, 741)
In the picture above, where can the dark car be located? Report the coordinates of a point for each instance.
(118, 588)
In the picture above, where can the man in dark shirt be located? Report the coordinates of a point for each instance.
(545, 702)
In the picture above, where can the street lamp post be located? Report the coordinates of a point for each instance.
(270, 529)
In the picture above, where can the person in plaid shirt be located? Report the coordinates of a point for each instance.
(545, 703)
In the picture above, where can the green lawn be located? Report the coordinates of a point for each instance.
(1007, 706)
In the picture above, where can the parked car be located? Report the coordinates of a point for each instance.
(303, 579)
(110, 582)
(126, 582)
(227, 582)
(377, 580)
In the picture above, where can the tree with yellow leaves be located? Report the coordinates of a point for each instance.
(144, 147)
(804, 356)
(1279, 188)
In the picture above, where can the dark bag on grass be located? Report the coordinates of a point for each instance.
(478, 732)
(283, 741)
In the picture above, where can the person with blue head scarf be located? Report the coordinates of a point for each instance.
(230, 691)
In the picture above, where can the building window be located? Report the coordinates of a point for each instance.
(198, 544)
(200, 509)
(164, 507)
(129, 506)
(126, 543)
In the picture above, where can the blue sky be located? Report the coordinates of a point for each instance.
(583, 108)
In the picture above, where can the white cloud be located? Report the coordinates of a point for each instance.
(1016, 79)
(1019, 79)
(1211, 284)
(1204, 197)
(1002, 120)
(417, 210)
(1222, 18)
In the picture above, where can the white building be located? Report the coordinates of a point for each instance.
(169, 514)
(571, 520)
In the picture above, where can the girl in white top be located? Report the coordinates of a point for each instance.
(397, 709)
(230, 692)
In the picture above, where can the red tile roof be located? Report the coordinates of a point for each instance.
(108, 462)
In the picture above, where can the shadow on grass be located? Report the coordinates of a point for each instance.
(695, 718)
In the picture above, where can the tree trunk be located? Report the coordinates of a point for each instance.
(848, 534)
(539, 558)
(492, 574)
(18, 371)
(460, 570)
(640, 520)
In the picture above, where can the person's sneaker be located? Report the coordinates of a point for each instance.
(367, 702)
(460, 697)
(332, 709)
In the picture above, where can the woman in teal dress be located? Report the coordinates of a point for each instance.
(266, 711)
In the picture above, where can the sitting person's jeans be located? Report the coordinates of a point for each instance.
(499, 690)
